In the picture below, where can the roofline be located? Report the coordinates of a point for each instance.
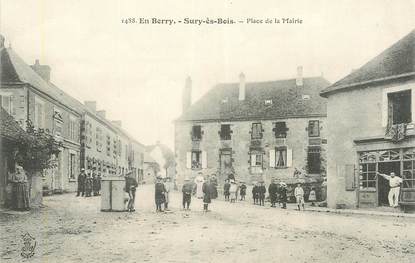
(325, 94)
(254, 118)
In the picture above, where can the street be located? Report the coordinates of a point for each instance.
(72, 229)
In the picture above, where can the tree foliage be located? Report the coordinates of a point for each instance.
(35, 149)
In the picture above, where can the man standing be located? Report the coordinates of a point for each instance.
(187, 193)
(272, 190)
(159, 194)
(131, 185)
(81, 182)
(226, 188)
(394, 184)
(262, 190)
(283, 195)
(207, 195)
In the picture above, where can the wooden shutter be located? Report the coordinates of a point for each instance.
(188, 160)
(272, 158)
(289, 157)
(350, 178)
(253, 159)
(204, 160)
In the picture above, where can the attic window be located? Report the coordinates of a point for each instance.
(268, 102)
(305, 97)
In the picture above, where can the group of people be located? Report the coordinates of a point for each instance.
(162, 193)
(88, 184)
(231, 190)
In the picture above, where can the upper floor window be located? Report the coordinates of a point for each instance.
(73, 129)
(196, 133)
(225, 132)
(399, 107)
(256, 131)
(314, 128)
(98, 139)
(280, 129)
(39, 114)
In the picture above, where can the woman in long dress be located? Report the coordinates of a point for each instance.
(199, 180)
(20, 194)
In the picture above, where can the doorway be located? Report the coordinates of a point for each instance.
(225, 157)
(383, 184)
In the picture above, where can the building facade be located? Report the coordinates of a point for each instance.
(256, 131)
(371, 129)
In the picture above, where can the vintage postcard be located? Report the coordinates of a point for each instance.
(207, 131)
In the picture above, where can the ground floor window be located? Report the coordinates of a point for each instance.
(196, 160)
(408, 171)
(368, 175)
(256, 159)
(72, 166)
(281, 157)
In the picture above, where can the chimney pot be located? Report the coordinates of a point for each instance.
(42, 70)
(242, 86)
(299, 79)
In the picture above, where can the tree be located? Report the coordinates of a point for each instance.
(35, 149)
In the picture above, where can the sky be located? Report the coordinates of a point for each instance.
(136, 72)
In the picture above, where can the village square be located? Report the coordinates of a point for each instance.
(135, 165)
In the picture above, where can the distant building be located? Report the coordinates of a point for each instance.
(255, 130)
(161, 156)
(371, 129)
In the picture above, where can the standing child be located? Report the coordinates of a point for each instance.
(226, 188)
(242, 191)
(187, 193)
(312, 197)
(207, 195)
(283, 195)
(159, 194)
(232, 190)
(299, 196)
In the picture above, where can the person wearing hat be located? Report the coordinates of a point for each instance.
(283, 195)
(131, 185)
(232, 191)
(273, 192)
(88, 185)
(262, 190)
(187, 189)
(255, 192)
(242, 190)
(214, 185)
(167, 186)
(159, 192)
(81, 182)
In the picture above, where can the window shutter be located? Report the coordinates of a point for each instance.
(272, 158)
(349, 174)
(188, 160)
(204, 160)
(253, 159)
(289, 157)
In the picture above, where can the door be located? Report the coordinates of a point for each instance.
(383, 184)
(225, 165)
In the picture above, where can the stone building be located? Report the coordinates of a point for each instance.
(27, 94)
(256, 130)
(371, 129)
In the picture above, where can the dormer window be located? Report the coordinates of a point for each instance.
(305, 97)
(196, 133)
(399, 107)
(268, 102)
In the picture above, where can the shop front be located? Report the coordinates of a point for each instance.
(373, 190)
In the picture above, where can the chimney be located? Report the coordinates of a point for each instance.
(187, 94)
(299, 79)
(241, 86)
(42, 70)
(101, 113)
(117, 123)
(91, 105)
(2, 41)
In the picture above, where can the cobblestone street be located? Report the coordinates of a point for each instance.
(71, 229)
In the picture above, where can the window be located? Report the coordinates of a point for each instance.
(73, 131)
(313, 128)
(256, 131)
(268, 102)
(256, 162)
(108, 145)
(58, 121)
(280, 130)
(225, 132)
(72, 166)
(196, 160)
(368, 175)
(408, 172)
(281, 157)
(39, 115)
(196, 133)
(6, 102)
(399, 107)
(98, 138)
(313, 160)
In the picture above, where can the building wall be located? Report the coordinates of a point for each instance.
(354, 114)
(297, 140)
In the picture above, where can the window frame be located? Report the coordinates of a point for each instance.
(222, 135)
(194, 137)
(317, 150)
(393, 96)
(199, 164)
(284, 150)
(280, 134)
(260, 133)
(316, 125)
